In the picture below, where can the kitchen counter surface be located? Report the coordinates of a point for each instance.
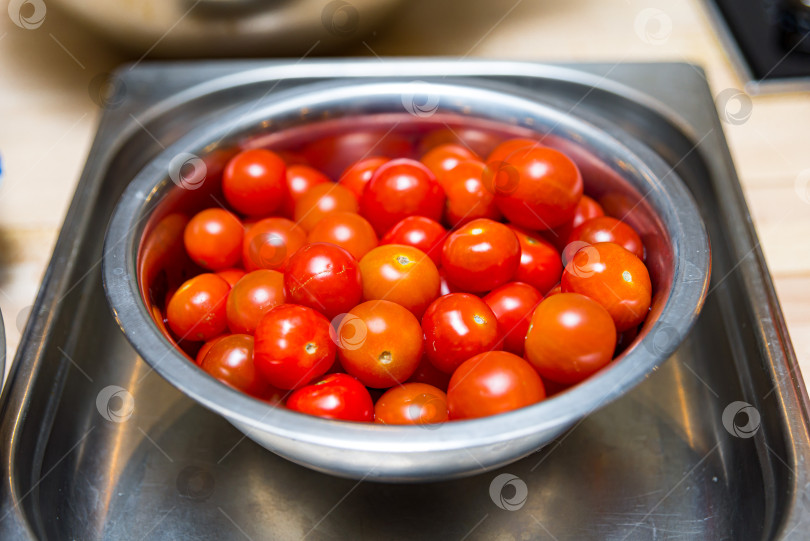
(48, 116)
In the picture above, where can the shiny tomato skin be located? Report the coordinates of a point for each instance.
(411, 404)
(231, 275)
(420, 232)
(324, 277)
(401, 274)
(587, 208)
(335, 396)
(468, 198)
(427, 373)
(254, 182)
(398, 189)
(252, 297)
(506, 148)
(320, 201)
(300, 179)
(513, 305)
(613, 277)
(458, 326)
(206, 347)
(269, 244)
(230, 360)
(491, 383)
(196, 311)
(445, 158)
(348, 230)
(357, 175)
(385, 345)
(540, 262)
(607, 229)
(293, 346)
(481, 255)
(571, 337)
(213, 239)
(545, 192)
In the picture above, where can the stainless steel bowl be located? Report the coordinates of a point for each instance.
(329, 123)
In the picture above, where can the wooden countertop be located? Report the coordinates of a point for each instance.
(47, 118)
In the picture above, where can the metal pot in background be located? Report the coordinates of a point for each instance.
(229, 27)
(2, 352)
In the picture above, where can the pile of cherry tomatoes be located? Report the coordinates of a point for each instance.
(408, 292)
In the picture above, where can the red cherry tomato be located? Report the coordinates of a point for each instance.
(607, 229)
(586, 209)
(467, 197)
(411, 404)
(293, 346)
(446, 157)
(359, 173)
(571, 337)
(231, 275)
(503, 150)
(300, 179)
(513, 305)
(543, 189)
(213, 239)
(420, 232)
(481, 255)
(379, 343)
(400, 274)
(206, 347)
(427, 373)
(252, 297)
(322, 200)
(613, 277)
(336, 396)
(490, 383)
(196, 311)
(230, 360)
(398, 189)
(254, 182)
(324, 277)
(458, 326)
(348, 230)
(269, 243)
(540, 262)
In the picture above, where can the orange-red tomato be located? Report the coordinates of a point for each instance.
(458, 326)
(481, 255)
(505, 149)
(348, 230)
(401, 274)
(231, 275)
(230, 360)
(300, 179)
(334, 396)
(607, 229)
(540, 263)
(384, 345)
(420, 232)
(252, 297)
(213, 239)
(206, 347)
(322, 200)
(613, 277)
(269, 244)
(446, 157)
(570, 338)
(490, 383)
(254, 182)
(544, 191)
(411, 404)
(513, 305)
(357, 175)
(427, 373)
(467, 197)
(196, 311)
(587, 208)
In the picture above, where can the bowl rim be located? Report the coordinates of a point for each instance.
(671, 201)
